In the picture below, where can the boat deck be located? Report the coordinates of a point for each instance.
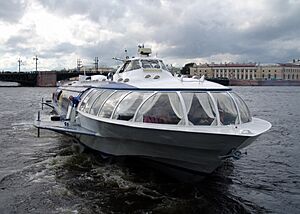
(62, 126)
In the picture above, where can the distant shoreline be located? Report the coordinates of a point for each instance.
(234, 82)
(222, 82)
(9, 84)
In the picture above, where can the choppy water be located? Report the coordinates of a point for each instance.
(44, 175)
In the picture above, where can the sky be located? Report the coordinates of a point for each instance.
(180, 31)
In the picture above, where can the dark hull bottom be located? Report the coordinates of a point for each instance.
(160, 169)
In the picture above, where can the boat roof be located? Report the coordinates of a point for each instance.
(155, 77)
(186, 84)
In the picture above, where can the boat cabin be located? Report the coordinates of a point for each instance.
(188, 108)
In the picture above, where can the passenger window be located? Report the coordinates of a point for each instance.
(128, 106)
(226, 107)
(163, 108)
(58, 93)
(243, 109)
(98, 103)
(91, 100)
(86, 98)
(65, 101)
(110, 104)
(85, 93)
(200, 109)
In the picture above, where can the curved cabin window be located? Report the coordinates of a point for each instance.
(86, 98)
(57, 94)
(163, 108)
(133, 65)
(147, 63)
(84, 93)
(64, 100)
(91, 100)
(226, 107)
(110, 104)
(128, 106)
(243, 109)
(99, 101)
(163, 66)
(124, 67)
(200, 109)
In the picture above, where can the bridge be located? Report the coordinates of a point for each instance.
(50, 78)
(40, 78)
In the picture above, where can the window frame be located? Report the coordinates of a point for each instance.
(104, 101)
(118, 103)
(109, 97)
(166, 93)
(184, 121)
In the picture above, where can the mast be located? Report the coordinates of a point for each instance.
(36, 60)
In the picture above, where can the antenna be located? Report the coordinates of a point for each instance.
(118, 59)
(36, 59)
(96, 64)
(19, 62)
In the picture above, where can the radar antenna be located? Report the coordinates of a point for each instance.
(144, 51)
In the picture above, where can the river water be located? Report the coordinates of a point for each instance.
(46, 174)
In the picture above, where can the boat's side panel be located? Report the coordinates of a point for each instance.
(200, 153)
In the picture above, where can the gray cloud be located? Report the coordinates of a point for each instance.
(95, 10)
(261, 31)
(17, 44)
(59, 50)
(206, 36)
(12, 11)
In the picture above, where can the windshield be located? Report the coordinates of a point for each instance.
(133, 65)
(130, 65)
(150, 63)
(163, 66)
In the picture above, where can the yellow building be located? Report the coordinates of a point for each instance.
(230, 70)
(248, 71)
(267, 72)
(291, 71)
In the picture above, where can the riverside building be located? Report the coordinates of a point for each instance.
(248, 71)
